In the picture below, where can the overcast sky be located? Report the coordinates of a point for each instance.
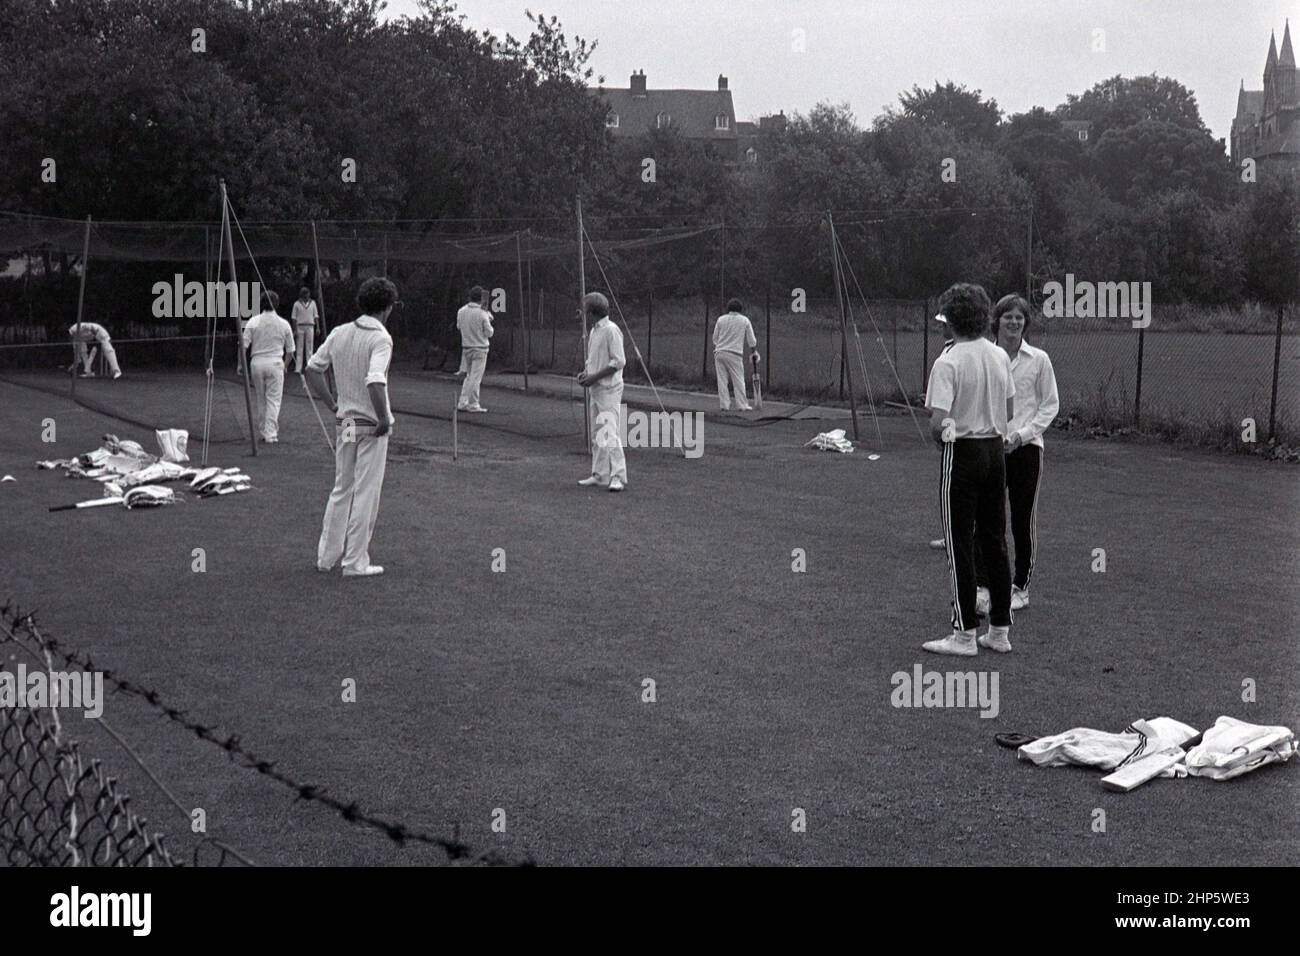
(1022, 53)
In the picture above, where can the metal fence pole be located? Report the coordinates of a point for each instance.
(925, 342)
(767, 336)
(1137, 398)
(1277, 358)
(704, 356)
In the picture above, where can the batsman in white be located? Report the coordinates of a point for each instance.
(603, 375)
(85, 332)
(475, 325)
(732, 334)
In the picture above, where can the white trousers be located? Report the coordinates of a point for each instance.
(730, 365)
(268, 392)
(304, 337)
(607, 459)
(353, 505)
(105, 349)
(472, 363)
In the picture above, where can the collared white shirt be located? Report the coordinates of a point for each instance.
(304, 313)
(970, 383)
(475, 325)
(733, 332)
(360, 353)
(1037, 401)
(268, 336)
(605, 348)
(88, 331)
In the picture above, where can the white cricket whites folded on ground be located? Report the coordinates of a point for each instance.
(1233, 747)
(1162, 747)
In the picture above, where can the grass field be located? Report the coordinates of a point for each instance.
(522, 690)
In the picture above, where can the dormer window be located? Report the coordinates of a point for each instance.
(611, 120)
(722, 121)
(1083, 136)
(663, 121)
(751, 155)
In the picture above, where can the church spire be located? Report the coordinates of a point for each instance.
(1287, 57)
(1272, 53)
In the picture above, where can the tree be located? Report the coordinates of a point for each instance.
(963, 111)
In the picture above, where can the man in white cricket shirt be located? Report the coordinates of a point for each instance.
(305, 320)
(475, 325)
(360, 353)
(732, 334)
(85, 332)
(269, 341)
(603, 375)
(970, 397)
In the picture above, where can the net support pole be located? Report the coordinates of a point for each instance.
(239, 321)
(844, 329)
(320, 296)
(81, 300)
(582, 308)
(523, 305)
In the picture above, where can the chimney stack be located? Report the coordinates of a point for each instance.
(638, 83)
(722, 82)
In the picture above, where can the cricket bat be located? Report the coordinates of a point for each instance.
(93, 503)
(1148, 766)
(758, 382)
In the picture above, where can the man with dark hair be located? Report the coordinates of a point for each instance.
(360, 353)
(475, 325)
(305, 319)
(732, 334)
(603, 375)
(970, 401)
(269, 341)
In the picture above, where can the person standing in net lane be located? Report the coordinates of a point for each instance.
(360, 353)
(603, 377)
(475, 325)
(269, 341)
(732, 335)
(305, 320)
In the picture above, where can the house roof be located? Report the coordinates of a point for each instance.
(693, 111)
(1075, 125)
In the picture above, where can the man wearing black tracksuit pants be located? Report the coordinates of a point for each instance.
(970, 401)
(1036, 406)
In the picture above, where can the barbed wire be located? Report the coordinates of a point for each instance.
(350, 810)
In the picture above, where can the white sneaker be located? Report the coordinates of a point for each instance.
(324, 570)
(1019, 599)
(982, 601)
(938, 544)
(996, 640)
(366, 572)
(116, 376)
(593, 480)
(616, 485)
(746, 408)
(476, 408)
(958, 643)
